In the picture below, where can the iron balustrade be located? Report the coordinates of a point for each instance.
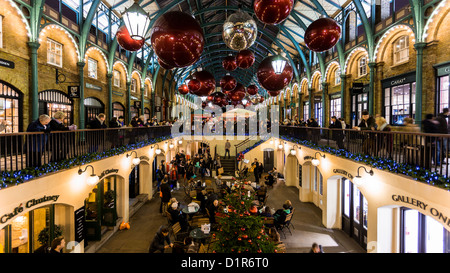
(33, 149)
(428, 151)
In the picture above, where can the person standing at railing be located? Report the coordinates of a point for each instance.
(338, 135)
(384, 141)
(431, 126)
(412, 143)
(227, 149)
(36, 143)
(60, 142)
(96, 138)
(314, 133)
(367, 124)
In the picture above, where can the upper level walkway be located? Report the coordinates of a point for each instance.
(421, 156)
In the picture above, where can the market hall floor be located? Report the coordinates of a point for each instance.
(306, 220)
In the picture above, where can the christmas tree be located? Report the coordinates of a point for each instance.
(240, 231)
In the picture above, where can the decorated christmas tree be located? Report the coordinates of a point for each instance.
(239, 230)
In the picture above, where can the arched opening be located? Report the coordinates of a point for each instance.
(159, 169)
(103, 207)
(34, 230)
(292, 171)
(11, 100)
(93, 107)
(118, 109)
(52, 101)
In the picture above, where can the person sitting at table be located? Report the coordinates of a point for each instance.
(280, 215)
(289, 205)
(178, 216)
(267, 212)
(261, 194)
(161, 236)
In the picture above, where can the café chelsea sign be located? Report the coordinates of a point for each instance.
(30, 203)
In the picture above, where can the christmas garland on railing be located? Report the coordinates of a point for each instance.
(252, 147)
(12, 178)
(415, 172)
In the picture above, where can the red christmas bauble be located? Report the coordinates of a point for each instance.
(125, 41)
(252, 89)
(229, 63)
(183, 89)
(273, 12)
(218, 98)
(207, 83)
(322, 34)
(228, 83)
(238, 93)
(273, 93)
(177, 39)
(194, 85)
(245, 58)
(269, 79)
(164, 65)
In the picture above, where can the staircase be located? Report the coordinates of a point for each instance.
(228, 165)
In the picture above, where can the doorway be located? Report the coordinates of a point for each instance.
(268, 159)
(354, 212)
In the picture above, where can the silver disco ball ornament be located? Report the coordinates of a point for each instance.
(255, 99)
(239, 31)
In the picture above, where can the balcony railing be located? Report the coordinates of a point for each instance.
(33, 153)
(424, 157)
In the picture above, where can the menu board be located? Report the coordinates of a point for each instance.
(79, 224)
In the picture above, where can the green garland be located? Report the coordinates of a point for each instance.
(12, 178)
(415, 172)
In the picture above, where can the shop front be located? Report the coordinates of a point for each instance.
(442, 86)
(34, 230)
(52, 101)
(354, 212)
(101, 208)
(11, 100)
(399, 98)
(360, 102)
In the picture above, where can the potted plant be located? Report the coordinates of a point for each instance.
(44, 236)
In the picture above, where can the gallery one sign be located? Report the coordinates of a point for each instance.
(423, 206)
(30, 203)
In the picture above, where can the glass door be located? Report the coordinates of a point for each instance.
(422, 234)
(354, 212)
(359, 104)
(109, 211)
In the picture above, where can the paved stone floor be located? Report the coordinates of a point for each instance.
(307, 222)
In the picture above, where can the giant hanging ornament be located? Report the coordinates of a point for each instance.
(228, 83)
(245, 58)
(126, 42)
(177, 39)
(273, 12)
(322, 34)
(239, 31)
(273, 93)
(194, 85)
(164, 65)
(183, 89)
(238, 93)
(229, 63)
(207, 83)
(252, 90)
(273, 74)
(218, 98)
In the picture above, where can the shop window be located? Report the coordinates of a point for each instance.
(421, 233)
(319, 84)
(41, 227)
(118, 109)
(133, 85)
(146, 90)
(305, 111)
(337, 77)
(335, 107)
(318, 111)
(54, 53)
(444, 92)
(401, 50)
(116, 78)
(10, 101)
(362, 66)
(92, 68)
(1, 31)
(52, 101)
(399, 103)
(19, 234)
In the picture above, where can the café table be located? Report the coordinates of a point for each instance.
(198, 235)
(189, 213)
